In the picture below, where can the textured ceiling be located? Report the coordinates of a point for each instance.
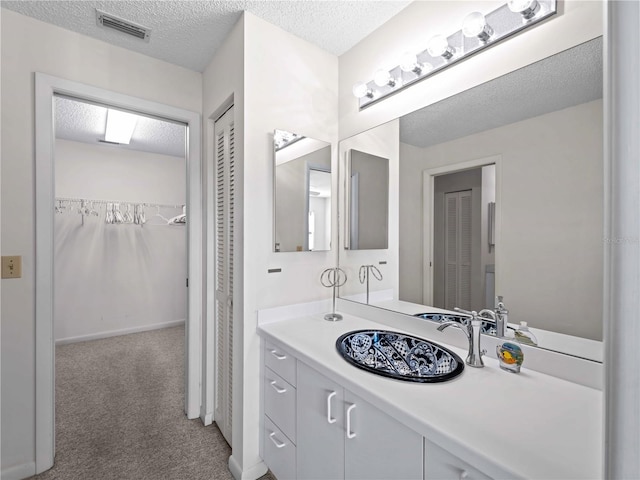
(569, 78)
(187, 33)
(86, 123)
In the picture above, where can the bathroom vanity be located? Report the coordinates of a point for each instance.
(325, 418)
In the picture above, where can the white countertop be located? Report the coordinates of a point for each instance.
(527, 425)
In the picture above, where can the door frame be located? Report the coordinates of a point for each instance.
(46, 86)
(428, 183)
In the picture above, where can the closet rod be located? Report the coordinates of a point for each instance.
(104, 202)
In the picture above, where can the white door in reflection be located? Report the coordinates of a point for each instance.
(319, 216)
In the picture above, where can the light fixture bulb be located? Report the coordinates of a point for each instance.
(383, 78)
(438, 46)
(409, 63)
(475, 25)
(120, 126)
(526, 8)
(360, 90)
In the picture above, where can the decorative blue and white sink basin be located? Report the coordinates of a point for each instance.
(488, 325)
(400, 356)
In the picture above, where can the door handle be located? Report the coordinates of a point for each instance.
(350, 434)
(330, 419)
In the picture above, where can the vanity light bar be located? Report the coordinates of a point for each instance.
(478, 32)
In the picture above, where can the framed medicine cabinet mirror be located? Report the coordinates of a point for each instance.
(367, 185)
(302, 193)
(499, 190)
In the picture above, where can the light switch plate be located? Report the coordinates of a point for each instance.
(12, 266)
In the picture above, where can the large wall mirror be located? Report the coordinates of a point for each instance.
(302, 193)
(500, 191)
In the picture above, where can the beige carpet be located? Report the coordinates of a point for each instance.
(119, 413)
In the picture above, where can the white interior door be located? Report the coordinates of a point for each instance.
(458, 250)
(224, 150)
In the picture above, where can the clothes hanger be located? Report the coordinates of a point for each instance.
(164, 220)
(180, 219)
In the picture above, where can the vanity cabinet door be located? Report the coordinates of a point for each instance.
(378, 446)
(439, 464)
(320, 433)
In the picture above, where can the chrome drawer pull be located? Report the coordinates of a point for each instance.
(350, 434)
(277, 388)
(275, 441)
(330, 419)
(278, 356)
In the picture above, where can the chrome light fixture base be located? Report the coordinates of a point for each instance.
(501, 24)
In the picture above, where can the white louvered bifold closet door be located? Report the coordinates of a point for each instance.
(225, 186)
(458, 250)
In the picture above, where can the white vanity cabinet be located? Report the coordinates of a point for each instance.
(340, 435)
(279, 441)
(439, 464)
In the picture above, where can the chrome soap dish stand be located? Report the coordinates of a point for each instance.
(333, 278)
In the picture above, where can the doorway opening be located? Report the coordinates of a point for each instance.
(464, 252)
(461, 219)
(47, 88)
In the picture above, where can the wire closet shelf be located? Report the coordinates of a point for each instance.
(118, 212)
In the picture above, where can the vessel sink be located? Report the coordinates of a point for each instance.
(488, 325)
(399, 356)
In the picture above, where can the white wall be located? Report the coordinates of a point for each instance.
(549, 260)
(301, 98)
(29, 46)
(487, 254)
(576, 22)
(113, 279)
(382, 141)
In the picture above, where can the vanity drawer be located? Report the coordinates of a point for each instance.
(279, 452)
(441, 465)
(281, 362)
(280, 403)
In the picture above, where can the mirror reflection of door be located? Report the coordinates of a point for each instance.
(319, 209)
(463, 242)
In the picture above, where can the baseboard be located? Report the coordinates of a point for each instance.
(116, 333)
(252, 473)
(207, 419)
(19, 472)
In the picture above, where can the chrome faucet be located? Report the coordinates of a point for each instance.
(472, 331)
(502, 317)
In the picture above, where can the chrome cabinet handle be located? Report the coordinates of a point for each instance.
(350, 434)
(275, 441)
(276, 388)
(330, 419)
(279, 357)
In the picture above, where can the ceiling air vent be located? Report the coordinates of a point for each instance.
(125, 26)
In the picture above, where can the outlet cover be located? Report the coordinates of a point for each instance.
(12, 267)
